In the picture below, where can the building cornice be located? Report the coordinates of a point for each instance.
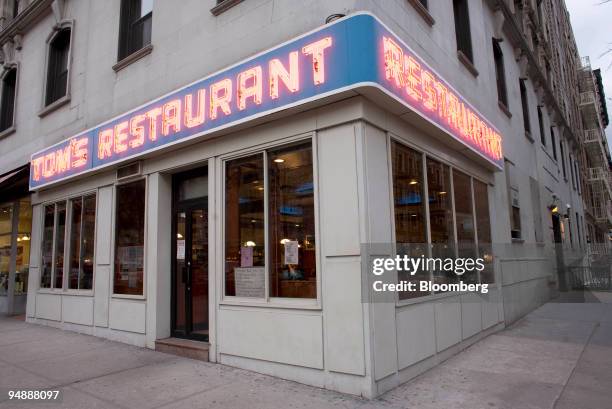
(25, 19)
(515, 35)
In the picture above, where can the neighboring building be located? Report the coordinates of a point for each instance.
(597, 160)
(218, 170)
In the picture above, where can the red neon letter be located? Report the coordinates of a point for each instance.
(79, 152)
(171, 117)
(36, 165)
(394, 61)
(121, 135)
(62, 159)
(254, 90)
(137, 131)
(49, 165)
(220, 100)
(105, 143)
(427, 82)
(191, 120)
(277, 71)
(152, 115)
(413, 77)
(316, 49)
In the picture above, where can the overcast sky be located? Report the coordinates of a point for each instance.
(592, 25)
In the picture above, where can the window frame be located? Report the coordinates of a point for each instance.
(67, 230)
(390, 137)
(500, 73)
(67, 242)
(52, 289)
(114, 295)
(125, 32)
(267, 301)
(48, 108)
(469, 52)
(10, 129)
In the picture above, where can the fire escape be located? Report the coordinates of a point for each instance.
(596, 153)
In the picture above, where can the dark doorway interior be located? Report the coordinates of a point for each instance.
(190, 255)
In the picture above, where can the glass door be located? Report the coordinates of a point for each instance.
(190, 266)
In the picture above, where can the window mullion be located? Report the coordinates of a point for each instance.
(266, 228)
(53, 252)
(81, 251)
(452, 191)
(425, 194)
(475, 223)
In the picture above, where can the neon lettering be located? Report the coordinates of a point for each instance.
(220, 97)
(192, 120)
(171, 117)
(317, 50)
(277, 71)
(252, 75)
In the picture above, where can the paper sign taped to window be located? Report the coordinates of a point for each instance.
(246, 256)
(291, 252)
(180, 249)
(250, 281)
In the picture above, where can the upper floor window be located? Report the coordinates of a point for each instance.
(57, 66)
(553, 142)
(525, 104)
(541, 123)
(498, 57)
(7, 101)
(462, 28)
(135, 26)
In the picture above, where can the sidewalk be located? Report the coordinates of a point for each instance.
(558, 356)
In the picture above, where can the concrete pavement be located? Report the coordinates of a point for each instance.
(559, 356)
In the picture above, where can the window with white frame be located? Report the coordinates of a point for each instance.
(54, 232)
(456, 207)
(68, 230)
(129, 238)
(81, 251)
(270, 224)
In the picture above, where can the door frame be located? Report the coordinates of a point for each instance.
(186, 206)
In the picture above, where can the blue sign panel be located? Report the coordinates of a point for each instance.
(357, 51)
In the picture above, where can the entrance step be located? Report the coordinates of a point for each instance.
(183, 347)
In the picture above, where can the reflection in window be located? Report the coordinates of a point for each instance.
(22, 261)
(441, 216)
(47, 247)
(129, 238)
(465, 221)
(244, 227)
(60, 232)
(483, 228)
(82, 230)
(409, 209)
(292, 223)
(6, 221)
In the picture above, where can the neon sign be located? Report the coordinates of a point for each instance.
(431, 96)
(351, 53)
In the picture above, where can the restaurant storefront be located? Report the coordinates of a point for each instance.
(234, 212)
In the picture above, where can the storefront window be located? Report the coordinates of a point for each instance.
(409, 209)
(82, 230)
(47, 246)
(465, 221)
(6, 221)
(22, 261)
(129, 238)
(60, 232)
(293, 271)
(245, 227)
(285, 175)
(441, 216)
(483, 228)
